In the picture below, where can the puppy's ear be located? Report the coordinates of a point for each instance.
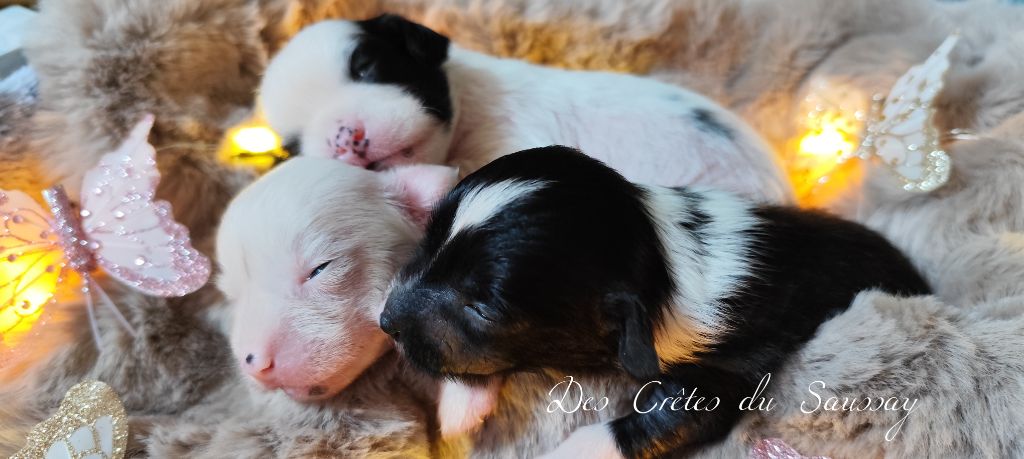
(637, 354)
(424, 45)
(417, 187)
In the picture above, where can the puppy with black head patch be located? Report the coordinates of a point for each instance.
(548, 259)
(387, 91)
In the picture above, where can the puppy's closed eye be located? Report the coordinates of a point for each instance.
(319, 269)
(478, 309)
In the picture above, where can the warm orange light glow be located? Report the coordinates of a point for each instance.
(830, 135)
(826, 145)
(29, 284)
(829, 142)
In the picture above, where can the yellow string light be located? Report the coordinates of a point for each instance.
(256, 139)
(253, 144)
(829, 142)
(25, 305)
(830, 135)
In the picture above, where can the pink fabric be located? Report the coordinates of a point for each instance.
(775, 448)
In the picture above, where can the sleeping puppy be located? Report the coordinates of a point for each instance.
(306, 254)
(387, 91)
(549, 260)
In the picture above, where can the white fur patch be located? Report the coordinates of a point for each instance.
(461, 408)
(593, 442)
(311, 68)
(507, 105)
(482, 203)
(705, 271)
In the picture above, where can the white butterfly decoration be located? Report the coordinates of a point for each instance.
(901, 131)
(91, 423)
(119, 228)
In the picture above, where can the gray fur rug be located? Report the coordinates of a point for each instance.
(195, 64)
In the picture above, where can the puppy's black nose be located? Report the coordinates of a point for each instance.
(387, 323)
(406, 310)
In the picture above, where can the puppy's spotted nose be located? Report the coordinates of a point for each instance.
(349, 143)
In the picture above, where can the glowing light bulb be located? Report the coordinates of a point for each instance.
(831, 125)
(829, 140)
(252, 145)
(29, 283)
(256, 140)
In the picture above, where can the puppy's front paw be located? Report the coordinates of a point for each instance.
(593, 441)
(461, 408)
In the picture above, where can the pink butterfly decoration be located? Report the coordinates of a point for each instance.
(119, 228)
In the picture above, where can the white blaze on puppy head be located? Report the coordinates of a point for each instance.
(484, 202)
(307, 253)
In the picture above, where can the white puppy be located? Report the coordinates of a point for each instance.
(306, 254)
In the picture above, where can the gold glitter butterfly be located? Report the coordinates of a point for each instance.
(90, 424)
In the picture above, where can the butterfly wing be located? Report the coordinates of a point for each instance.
(905, 137)
(90, 423)
(31, 264)
(92, 440)
(137, 239)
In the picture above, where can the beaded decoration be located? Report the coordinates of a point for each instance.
(901, 129)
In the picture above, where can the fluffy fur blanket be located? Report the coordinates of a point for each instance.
(195, 64)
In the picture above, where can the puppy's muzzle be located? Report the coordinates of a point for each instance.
(408, 307)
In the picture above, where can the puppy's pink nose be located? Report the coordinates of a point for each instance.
(260, 367)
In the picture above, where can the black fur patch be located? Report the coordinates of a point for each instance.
(698, 218)
(292, 146)
(707, 122)
(394, 50)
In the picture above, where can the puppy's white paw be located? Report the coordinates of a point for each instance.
(593, 442)
(463, 408)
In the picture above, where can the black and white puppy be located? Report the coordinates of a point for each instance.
(548, 259)
(386, 91)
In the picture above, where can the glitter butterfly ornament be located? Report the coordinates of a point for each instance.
(90, 423)
(119, 229)
(901, 130)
